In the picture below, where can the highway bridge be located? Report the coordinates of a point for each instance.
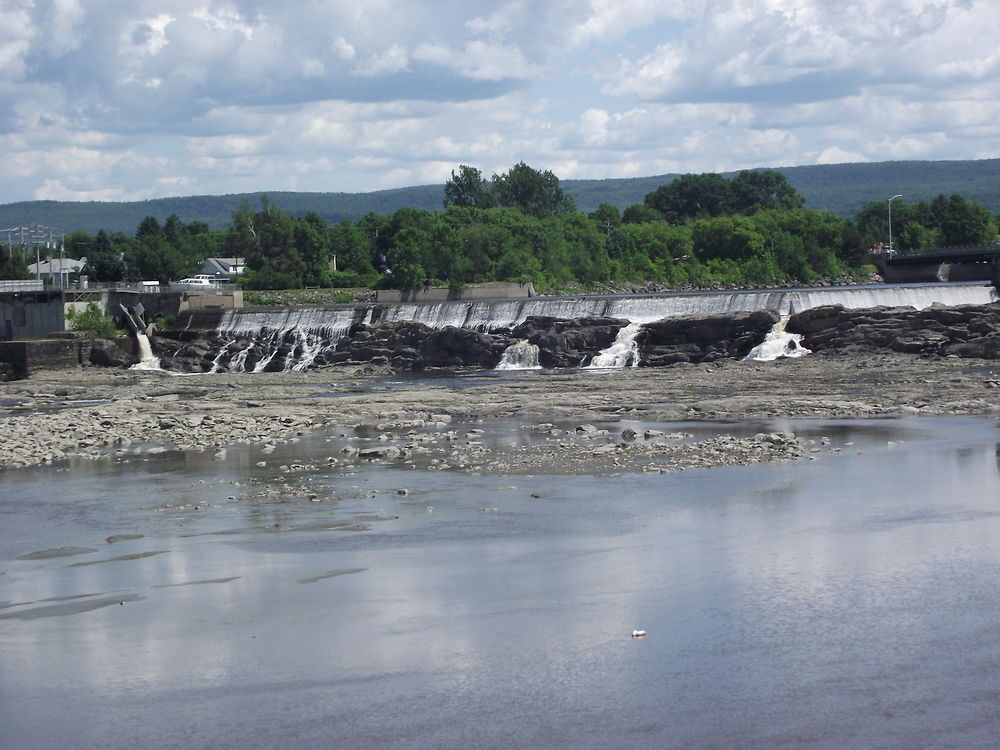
(970, 263)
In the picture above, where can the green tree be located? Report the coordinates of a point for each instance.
(756, 190)
(607, 216)
(105, 262)
(352, 248)
(311, 239)
(13, 263)
(534, 193)
(91, 320)
(588, 256)
(266, 239)
(640, 213)
(77, 244)
(733, 238)
(406, 257)
(152, 257)
(966, 223)
(690, 196)
(468, 188)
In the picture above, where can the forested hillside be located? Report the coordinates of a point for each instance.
(841, 189)
(696, 231)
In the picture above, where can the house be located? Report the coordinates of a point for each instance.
(228, 267)
(56, 270)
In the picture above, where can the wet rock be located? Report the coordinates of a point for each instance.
(568, 343)
(970, 331)
(703, 338)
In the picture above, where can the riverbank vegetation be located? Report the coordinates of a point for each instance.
(697, 231)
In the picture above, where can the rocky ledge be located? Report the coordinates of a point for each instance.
(410, 346)
(964, 331)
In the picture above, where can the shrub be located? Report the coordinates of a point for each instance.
(92, 322)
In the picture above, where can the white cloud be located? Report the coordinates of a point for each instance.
(392, 60)
(837, 155)
(343, 48)
(197, 96)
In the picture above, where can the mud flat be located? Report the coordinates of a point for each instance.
(58, 415)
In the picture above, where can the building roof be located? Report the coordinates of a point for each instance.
(57, 266)
(224, 266)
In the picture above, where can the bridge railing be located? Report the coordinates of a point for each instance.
(948, 251)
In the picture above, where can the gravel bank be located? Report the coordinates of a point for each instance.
(61, 414)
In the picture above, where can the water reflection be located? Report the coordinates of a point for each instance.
(826, 603)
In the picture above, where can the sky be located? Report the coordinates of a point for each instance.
(139, 99)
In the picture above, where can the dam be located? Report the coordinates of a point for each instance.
(293, 338)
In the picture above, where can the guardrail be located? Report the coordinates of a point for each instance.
(143, 288)
(18, 285)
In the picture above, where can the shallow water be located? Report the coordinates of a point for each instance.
(848, 601)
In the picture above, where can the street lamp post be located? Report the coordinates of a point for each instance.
(890, 221)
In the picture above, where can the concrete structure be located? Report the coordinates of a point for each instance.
(470, 291)
(35, 314)
(19, 358)
(977, 263)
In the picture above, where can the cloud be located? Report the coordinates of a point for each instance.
(806, 50)
(199, 96)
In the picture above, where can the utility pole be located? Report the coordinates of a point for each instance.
(891, 251)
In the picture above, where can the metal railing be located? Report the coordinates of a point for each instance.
(17, 285)
(144, 288)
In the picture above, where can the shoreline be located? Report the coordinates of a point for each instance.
(151, 411)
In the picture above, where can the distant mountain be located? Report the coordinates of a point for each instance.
(842, 189)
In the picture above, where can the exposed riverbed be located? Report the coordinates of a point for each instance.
(96, 412)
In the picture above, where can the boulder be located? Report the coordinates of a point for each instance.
(704, 338)
(568, 343)
(107, 353)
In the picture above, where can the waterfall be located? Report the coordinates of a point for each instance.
(497, 314)
(778, 344)
(521, 355)
(298, 337)
(623, 352)
(147, 360)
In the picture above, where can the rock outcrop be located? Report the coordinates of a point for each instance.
(703, 338)
(568, 343)
(967, 331)
(415, 346)
(963, 331)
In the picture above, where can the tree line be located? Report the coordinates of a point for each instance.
(699, 230)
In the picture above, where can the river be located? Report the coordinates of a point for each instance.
(180, 601)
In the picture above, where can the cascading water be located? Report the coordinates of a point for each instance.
(296, 338)
(299, 336)
(521, 355)
(623, 352)
(147, 360)
(778, 344)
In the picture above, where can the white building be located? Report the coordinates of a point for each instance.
(230, 267)
(56, 270)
